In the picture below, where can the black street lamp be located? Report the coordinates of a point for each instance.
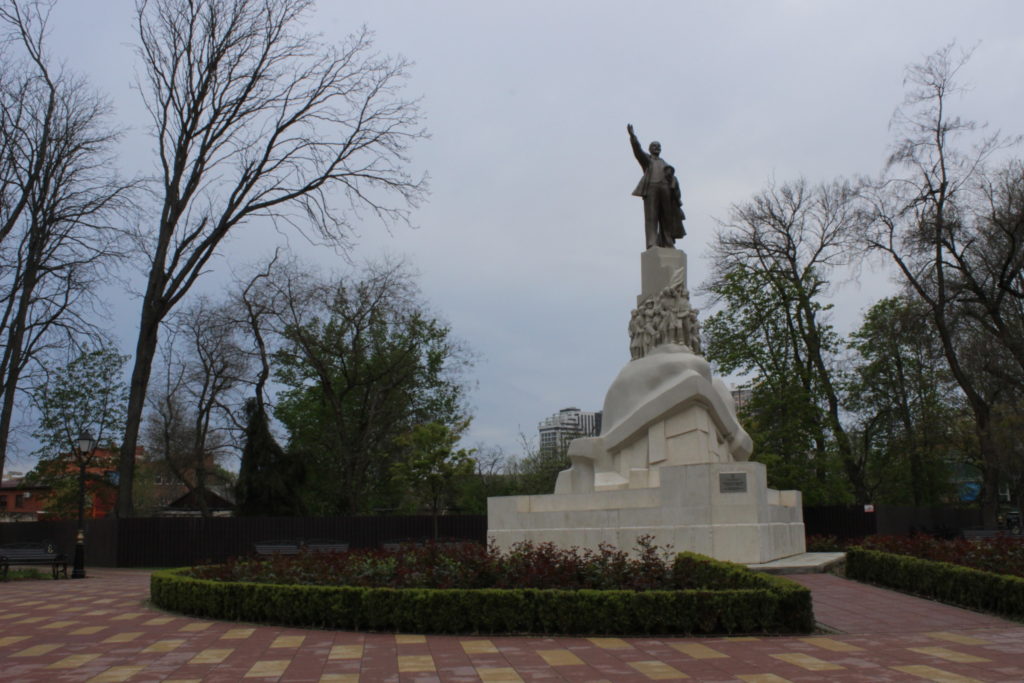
(86, 444)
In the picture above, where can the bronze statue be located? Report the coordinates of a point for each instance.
(663, 205)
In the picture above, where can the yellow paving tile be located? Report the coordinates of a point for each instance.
(237, 633)
(195, 627)
(611, 643)
(478, 647)
(32, 602)
(956, 638)
(498, 675)
(126, 637)
(338, 678)
(268, 668)
(948, 655)
(36, 650)
(657, 671)
(15, 615)
(72, 661)
(183, 680)
(165, 645)
(808, 662)
(698, 651)
(832, 645)
(126, 616)
(87, 630)
(932, 674)
(11, 640)
(60, 624)
(159, 621)
(116, 674)
(409, 639)
(415, 663)
(346, 652)
(560, 658)
(212, 656)
(288, 641)
(72, 609)
(98, 612)
(32, 620)
(740, 639)
(762, 678)
(104, 601)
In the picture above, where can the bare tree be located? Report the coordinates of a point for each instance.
(253, 118)
(789, 238)
(203, 372)
(57, 193)
(921, 212)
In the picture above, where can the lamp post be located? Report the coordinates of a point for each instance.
(86, 444)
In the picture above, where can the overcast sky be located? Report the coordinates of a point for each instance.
(530, 243)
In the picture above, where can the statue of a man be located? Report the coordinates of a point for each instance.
(663, 214)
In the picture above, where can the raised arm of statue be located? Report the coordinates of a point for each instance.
(638, 151)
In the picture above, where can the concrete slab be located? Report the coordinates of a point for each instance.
(804, 563)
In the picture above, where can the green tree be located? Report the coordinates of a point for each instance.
(491, 477)
(791, 238)
(537, 471)
(905, 402)
(254, 118)
(930, 215)
(432, 468)
(363, 362)
(270, 479)
(755, 333)
(86, 394)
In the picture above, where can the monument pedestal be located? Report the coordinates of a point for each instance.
(671, 460)
(724, 510)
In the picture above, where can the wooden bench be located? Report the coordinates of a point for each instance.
(277, 547)
(324, 545)
(38, 553)
(293, 547)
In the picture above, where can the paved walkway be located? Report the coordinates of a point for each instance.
(101, 629)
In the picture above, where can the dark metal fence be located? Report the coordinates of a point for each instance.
(853, 521)
(175, 542)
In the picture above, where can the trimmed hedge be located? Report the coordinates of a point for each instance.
(741, 602)
(972, 588)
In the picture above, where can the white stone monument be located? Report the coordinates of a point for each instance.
(671, 461)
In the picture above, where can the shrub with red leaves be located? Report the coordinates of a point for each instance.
(1000, 554)
(466, 565)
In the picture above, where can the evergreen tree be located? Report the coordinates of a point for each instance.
(270, 478)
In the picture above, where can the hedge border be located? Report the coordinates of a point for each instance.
(975, 589)
(753, 603)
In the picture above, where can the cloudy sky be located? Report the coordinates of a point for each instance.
(530, 242)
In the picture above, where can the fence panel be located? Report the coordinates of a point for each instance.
(841, 521)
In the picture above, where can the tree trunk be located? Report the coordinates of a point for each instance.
(145, 351)
(15, 342)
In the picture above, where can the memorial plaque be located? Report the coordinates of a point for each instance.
(732, 482)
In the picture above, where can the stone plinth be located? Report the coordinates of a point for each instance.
(724, 510)
(672, 459)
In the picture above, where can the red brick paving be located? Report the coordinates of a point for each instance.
(102, 629)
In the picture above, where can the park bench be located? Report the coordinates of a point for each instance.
(36, 553)
(324, 545)
(292, 547)
(396, 545)
(277, 547)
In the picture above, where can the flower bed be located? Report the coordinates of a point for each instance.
(470, 589)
